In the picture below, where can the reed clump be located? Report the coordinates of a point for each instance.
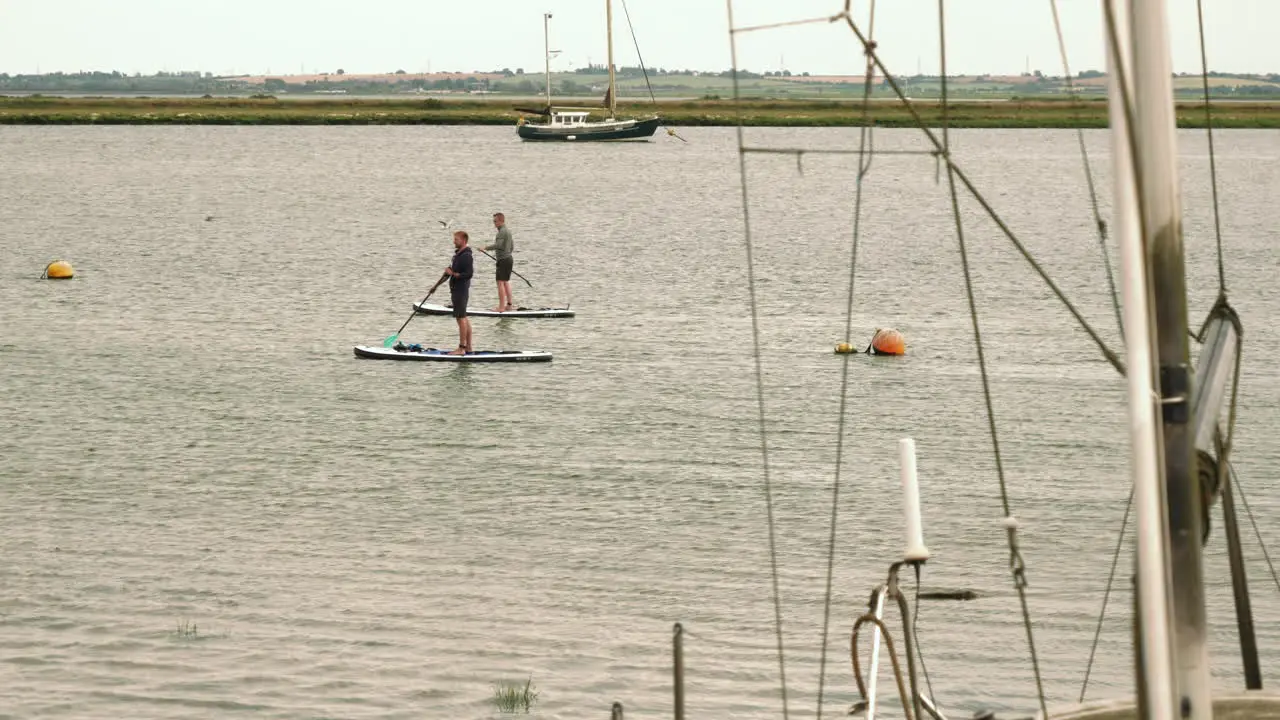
(187, 630)
(515, 698)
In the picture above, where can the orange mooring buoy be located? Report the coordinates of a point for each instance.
(888, 341)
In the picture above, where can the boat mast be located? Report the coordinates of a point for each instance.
(613, 89)
(1156, 690)
(1148, 169)
(1158, 155)
(546, 43)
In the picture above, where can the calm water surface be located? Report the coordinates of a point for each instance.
(188, 442)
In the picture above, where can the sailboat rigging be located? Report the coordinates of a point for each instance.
(1178, 453)
(573, 124)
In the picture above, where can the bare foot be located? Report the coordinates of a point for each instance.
(459, 351)
(498, 309)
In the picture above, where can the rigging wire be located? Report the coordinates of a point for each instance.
(1130, 126)
(1098, 222)
(825, 151)
(865, 155)
(759, 369)
(1106, 596)
(1224, 459)
(1115, 304)
(869, 48)
(1213, 166)
(1016, 562)
(915, 631)
(1107, 352)
(1101, 226)
(1221, 306)
(942, 150)
(638, 55)
(791, 23)
(670, 130)
(1245, 501)
(1134, 151)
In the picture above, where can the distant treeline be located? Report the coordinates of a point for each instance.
(589, 80)
(163, 82)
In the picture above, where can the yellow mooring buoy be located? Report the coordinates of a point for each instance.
(59, 270)
(844, 348)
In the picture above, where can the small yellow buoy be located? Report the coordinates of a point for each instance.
(59, 270)
(888, 342)
(844, 348)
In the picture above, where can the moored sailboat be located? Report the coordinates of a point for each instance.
(574, 124)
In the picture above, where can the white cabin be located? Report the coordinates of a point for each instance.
(569, 118)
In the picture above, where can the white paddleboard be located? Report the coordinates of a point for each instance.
(546, 312)
(400, 351)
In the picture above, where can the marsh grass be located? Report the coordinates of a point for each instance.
(190, 630)
(514, 697)
(1012, 113)
(187, 630)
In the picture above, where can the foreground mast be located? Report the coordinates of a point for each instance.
(1157, 171)
(613, 88)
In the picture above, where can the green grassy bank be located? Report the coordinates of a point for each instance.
(1013, 113)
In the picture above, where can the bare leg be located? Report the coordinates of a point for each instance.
(462, 336)
(466, 321)
(506, 286)
(500, 307)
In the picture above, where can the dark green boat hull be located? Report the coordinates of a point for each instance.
(626, 130)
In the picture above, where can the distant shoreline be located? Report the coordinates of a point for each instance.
(1005, 113)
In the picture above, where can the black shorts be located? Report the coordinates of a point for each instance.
(459, 302)
(504, 268)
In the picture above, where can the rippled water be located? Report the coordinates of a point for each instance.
(211, 508)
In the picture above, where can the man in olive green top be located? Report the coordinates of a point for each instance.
(503, 245)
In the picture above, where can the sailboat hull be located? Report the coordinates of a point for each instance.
(609, 130)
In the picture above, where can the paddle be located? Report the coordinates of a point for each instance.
(392, 339)
(513, 272)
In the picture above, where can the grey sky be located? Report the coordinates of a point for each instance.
(286, 36)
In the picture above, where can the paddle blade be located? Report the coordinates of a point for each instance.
(390, 340)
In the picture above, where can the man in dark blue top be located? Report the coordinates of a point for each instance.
(459, 272)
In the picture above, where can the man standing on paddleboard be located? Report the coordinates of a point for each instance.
(459, 272)
(503, 245)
